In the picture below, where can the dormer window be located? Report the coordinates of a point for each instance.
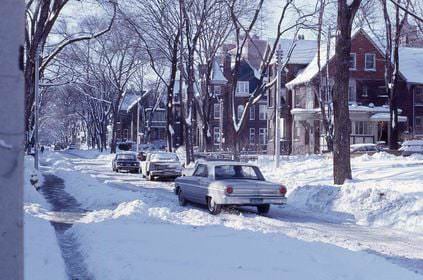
(353, 61)
(242, 88)
(370, 62)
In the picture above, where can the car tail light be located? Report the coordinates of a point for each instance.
(282, 189)
(229, 189)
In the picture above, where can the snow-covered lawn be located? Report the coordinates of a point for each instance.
(136, 230)
(386, 190)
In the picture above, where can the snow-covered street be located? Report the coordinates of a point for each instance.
(135, 229)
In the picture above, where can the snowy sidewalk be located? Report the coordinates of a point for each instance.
(61, 202)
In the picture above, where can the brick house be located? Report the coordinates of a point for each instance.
(253, 136)
(368, 101)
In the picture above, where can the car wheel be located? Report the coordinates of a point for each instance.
(181, 199)
(150, 177)
(213, 207)
(263, 209)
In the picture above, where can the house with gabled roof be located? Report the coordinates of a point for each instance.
(368, 102)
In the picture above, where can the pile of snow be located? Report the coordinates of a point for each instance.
(386, 190)
(43, 259)
(412, 146)
(133, 247)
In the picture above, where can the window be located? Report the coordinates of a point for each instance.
(201, 171)
(263, 136)
(216, 135)
(262, 112)
(240, 111)
(164, 157)
(217, 90)
(216, 111)
(353, 61)
(252, 138)
(365, 91)
(242, 88)
(300, 97)
(245, 172)
(297, 130)
(418, 96)
(363, 128)
(252, 113)
(370, 61)
(351, 94)
(418, 129)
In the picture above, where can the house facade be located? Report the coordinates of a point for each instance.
(252, 137)
(152, 119)
(368, 102)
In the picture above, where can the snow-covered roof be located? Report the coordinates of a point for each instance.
(385, 117)
(129, 100)
(217, 74)
(411, 64)
(410, 59)
(303, 50)
(312, 69)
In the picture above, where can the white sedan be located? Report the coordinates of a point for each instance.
(216, 184)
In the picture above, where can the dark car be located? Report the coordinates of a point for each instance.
(126, 162)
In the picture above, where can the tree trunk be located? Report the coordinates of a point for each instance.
(341, 153)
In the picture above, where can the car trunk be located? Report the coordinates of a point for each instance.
(242, 187)
(127, 163)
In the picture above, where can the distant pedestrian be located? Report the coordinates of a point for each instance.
(42, 149)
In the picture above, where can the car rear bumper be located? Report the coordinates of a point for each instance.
(128, 168)
(233, 200)
(165, 173)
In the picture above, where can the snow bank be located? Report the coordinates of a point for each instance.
(386, 190)
(142, 243)
(43, 259)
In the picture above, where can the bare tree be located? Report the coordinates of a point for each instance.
(242, 35)
(341, 153)
(217, 28)
(41, 16)
(157, 25)
(194, 14)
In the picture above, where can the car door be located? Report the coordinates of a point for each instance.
(200, 189)
(193, 183)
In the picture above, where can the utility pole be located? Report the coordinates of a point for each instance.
(221, 123)
(12, 131)
(138, 125)
(279, 55)
(36, 97)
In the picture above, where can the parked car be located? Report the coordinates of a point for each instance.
(126, 161)
(411, 147)
(161, 165)
(72, 147)
(365, 148)
(57, 147)
(223, 183)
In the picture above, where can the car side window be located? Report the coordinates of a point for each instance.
(201, 171)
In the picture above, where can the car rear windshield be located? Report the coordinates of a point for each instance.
(222, 172)
(164, 157)
(126, 156)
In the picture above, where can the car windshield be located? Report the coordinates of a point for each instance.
(237, 172)
(125, 156)
(164, 157)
